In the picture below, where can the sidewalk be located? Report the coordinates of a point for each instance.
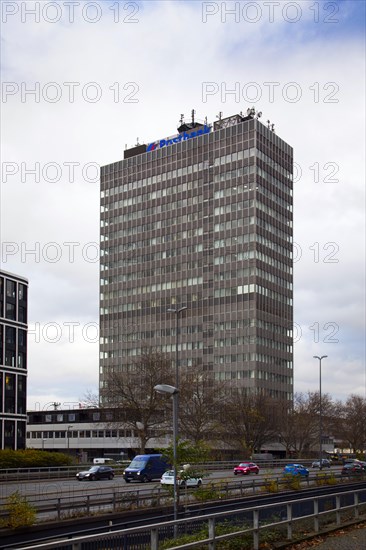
(350, 538)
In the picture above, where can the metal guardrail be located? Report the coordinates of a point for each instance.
(52, 472)
(243, 522)
(56, 507)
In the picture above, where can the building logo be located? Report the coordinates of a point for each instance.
(182, 137)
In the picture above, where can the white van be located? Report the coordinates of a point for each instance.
(103, 461)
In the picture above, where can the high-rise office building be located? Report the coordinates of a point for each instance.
(13, 360)
(201, 220)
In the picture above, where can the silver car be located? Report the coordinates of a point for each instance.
(325, 463)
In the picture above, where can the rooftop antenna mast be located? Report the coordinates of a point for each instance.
(193, 113)
(181, 120)
(219, 116)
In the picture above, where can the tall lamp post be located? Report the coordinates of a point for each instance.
(177, 312)
(320, 408)
(173, 392)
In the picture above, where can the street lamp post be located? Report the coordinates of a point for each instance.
(173, 392)
(320, 408)
(177, 312)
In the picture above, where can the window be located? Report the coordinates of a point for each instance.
(22, 338)
(22, 314)
(22, 292)
(10, 288)
(10, 335)
(10, 311)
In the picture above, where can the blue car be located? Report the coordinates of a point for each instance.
(296, 469)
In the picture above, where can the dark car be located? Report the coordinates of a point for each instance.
(96, 472)
(145, 468)
(353, 469)
(245, 468)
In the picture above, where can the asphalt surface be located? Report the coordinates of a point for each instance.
(349, 538)
(354, 539)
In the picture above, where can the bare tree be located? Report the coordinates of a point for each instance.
(248, 420)
(285, 421)
(132, 395)
(200, 399)
(352, 423)
(90, 399)
(299, 430)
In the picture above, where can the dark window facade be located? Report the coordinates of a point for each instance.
(13, 360)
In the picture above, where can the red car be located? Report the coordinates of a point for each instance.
(245, 468)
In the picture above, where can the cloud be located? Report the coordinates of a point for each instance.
(116, 82)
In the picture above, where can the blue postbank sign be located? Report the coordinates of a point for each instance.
(182, 137)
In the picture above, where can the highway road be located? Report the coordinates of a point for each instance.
(141, 516)
(70, 487)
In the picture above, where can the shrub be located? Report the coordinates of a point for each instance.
(325, 479)
(270, 485)
(242, 542)
(292, 481)
(207, 492)
(31, 458)
(20, 512)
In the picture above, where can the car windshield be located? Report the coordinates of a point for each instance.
(169, 473)
(138, 463)
(93, 469)
(244, 464)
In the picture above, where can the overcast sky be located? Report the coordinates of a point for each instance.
(80, 80)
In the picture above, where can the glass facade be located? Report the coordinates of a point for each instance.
(13, 360)
(204, 223)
